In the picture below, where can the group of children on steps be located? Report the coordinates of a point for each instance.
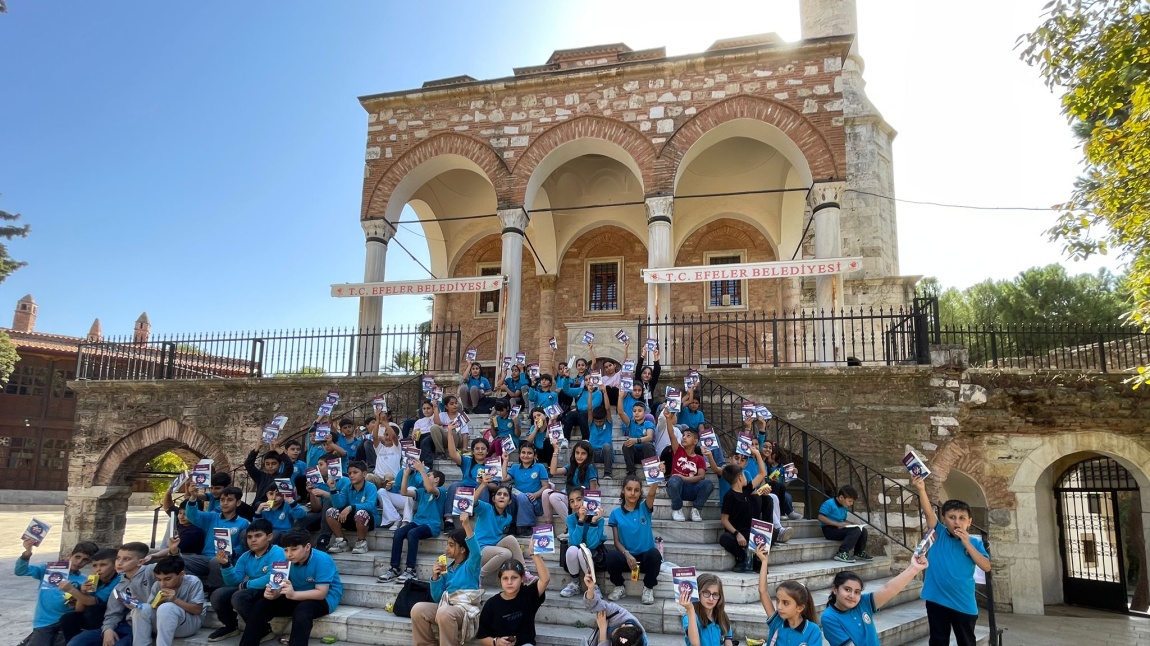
(381, 488)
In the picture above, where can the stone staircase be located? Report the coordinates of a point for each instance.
(362, 618)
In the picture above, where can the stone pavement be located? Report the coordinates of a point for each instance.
(1061, 625)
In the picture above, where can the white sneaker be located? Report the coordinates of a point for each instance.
(570, 590)
(648, 596)
(618, 593)
(360, 547)
(785, 534)
(695, 515)
(337, 546)
(676, 516)
(794, 515)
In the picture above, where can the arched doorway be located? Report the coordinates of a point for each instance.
(1090, 533)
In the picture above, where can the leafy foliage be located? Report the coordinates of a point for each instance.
(1097, 52)
(164, 463)
(304, 371)
(8, 358)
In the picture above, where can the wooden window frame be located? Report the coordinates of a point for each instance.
(743, 294)
(478, 312)
(619, 265)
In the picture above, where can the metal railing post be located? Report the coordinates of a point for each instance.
(806, 477)
(1102, 352)
(993, 346)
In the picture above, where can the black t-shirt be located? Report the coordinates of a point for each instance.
(512, 617)
(740, 509)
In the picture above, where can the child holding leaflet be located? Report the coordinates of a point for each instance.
(949, 586)
(427, 522)
(173, 608)
(833, 519)
(634, 541)
(50, 605)
(706, 622)
(849, 617)
(586, 530)
(793, 620)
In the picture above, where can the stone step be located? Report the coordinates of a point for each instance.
(359, 571)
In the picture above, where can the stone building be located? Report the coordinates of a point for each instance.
(572, 176)
(37, 408)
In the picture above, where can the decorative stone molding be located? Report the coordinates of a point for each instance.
(514, 220)
(377, 230)
(660, 208)
(826, 194)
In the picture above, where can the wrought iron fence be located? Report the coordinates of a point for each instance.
(800, 338)
(1105, 348)
(281, 353)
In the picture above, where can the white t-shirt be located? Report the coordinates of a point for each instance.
(423, 425)
(387, 460)
(445, 419)
(612, 380)
(662, 440)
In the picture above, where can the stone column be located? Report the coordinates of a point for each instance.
(97, 514)
(824, 200)
(440, 352)
(546, 322)
(660, 208)
(790, 300)
(378, 233)
(514, 222)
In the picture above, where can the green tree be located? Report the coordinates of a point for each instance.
(407, 362)
(8, 356)
(164, 463)
(304, 371)
(1097, 53)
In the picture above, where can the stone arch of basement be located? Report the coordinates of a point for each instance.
(1036, 569)
(129, 454)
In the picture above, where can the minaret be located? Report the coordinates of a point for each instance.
(24, 319)
(823, 18)
(96, 333)
(143, 329)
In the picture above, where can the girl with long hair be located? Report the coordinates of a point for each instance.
(705, 622)
(792, 620)
(634, 541)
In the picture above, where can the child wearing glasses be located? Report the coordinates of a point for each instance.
(705, 622)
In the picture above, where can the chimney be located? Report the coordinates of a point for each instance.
(96, 333)
(25, 318)
(143, 329)
(822, 18)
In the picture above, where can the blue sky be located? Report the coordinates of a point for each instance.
(203, 161)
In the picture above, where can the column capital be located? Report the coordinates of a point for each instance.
(660, 208)
(826, 195)
(377, 231)
(514, 220)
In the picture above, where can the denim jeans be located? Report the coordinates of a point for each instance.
(697, 492)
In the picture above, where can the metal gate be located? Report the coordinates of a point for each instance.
(1090, 535)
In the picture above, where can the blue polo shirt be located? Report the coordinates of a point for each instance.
(590, 534)
(468, 469)
(780, 633)
(602, 435)
(50, 605)
(283, 517)
(489, 526)
(712, 635)
(691, 420)
(634, 528)
(319, 569)
(950, 577)
(854, 626)
(251, 571)
(480, 382)
(351, 446)
(428, 512)
(504, 426)
(573, 479)
(528, 479)
(516, 385)
(542, 398)
(836, 512)
(363, 499)
(580, 396)
(458, 577)
(639, 429)
(629, 402)
(210, 521)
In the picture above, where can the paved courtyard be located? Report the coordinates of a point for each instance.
(1062, 625)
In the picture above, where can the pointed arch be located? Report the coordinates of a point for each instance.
(129, 454)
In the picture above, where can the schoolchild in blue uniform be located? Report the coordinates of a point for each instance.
(531, 481)
(426, 523)
(354, 506)
(634, 540)
(473, 387)
(50, 605)
(793, 620)
(469, 467)
(244, 581)
(705, 622)
(833, 520)
(602, 440)
(849, 617)
(948, 587)
(494, 530)
(461, 572)
(584, 530)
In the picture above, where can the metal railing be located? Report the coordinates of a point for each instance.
(280, 354)
(885, 336)
(985, 593)
(1045, 346)
(889, 507)
(403, 401)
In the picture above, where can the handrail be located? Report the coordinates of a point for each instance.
(988, 596)
(823, 467)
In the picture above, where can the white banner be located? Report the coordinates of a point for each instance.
(751, 270)
(416, 287)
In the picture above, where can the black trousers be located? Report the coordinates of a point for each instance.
(303, 614)
(853, 538)
(942, 620)
(74, 623)
(730, 542)
(649, 564)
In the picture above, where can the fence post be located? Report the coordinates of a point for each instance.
(993, 346)
(168, 361)
(255, 365)
(1101, 352)
(775, 340)
(921, 338)
(807, 477)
